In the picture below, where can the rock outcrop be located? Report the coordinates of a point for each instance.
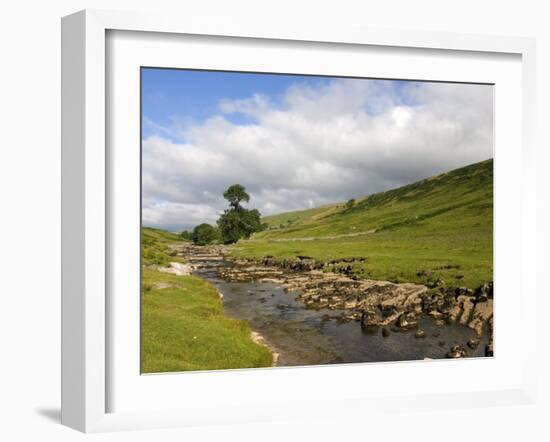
(177, 268)
(371, 302)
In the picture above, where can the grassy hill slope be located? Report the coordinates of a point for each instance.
(439, 227)
(154, 246)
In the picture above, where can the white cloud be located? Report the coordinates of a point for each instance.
(173, 215)
(401, 116)
(322, 144)
(254, 106)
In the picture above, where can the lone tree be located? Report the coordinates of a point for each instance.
(235, 194)
(237, 222)
(204, 234)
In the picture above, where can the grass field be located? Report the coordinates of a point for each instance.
(439, 227)
(183, 323)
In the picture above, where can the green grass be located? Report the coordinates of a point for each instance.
(159, 235)
(442, 224)
(289, 219)
(184, 327)
(154, 246)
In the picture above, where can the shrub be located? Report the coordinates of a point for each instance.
(185, 235)
(205, 234)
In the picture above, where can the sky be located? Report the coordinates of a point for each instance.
(297, 142)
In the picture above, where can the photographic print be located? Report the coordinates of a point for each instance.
(295, 220)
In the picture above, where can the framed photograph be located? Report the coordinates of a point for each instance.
(269, 223)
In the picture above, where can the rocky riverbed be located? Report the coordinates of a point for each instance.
(378, 308)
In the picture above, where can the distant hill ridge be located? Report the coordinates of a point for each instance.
(456, 199)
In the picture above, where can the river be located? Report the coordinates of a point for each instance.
(303, 336)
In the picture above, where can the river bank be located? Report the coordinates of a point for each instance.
(184, 326)
(310, 316)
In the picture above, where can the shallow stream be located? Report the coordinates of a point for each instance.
(305, 336)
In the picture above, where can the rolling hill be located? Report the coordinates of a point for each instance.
(439, 227)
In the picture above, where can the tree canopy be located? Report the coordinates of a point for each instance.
(204, 234)
(237, 222)
(233, 224)
(185, 235)
(235, 194)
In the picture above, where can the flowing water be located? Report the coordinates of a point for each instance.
(305, 336)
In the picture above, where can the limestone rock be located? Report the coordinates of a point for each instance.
(420, 334)
(457, 351)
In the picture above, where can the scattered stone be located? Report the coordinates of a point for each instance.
(354, 316)
(482, 314)
(368, 322)
(463, 291)
(473, 343)
(449, 302)
(441, 343)
(343, 318)
(436, 334)
(420, 334)
(484, 291)
(457, 351)
(350, 305)
(436, 314)
(260, 340)
(407, 321)
(177, 268)
(467, 308)
(455, 312)
(482, 297)
(439, 282)
(269, 260)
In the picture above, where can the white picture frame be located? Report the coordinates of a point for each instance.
(87, 204)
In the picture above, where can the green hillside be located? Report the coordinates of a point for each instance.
(291, 219)
(439, 227)
(154, 246)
